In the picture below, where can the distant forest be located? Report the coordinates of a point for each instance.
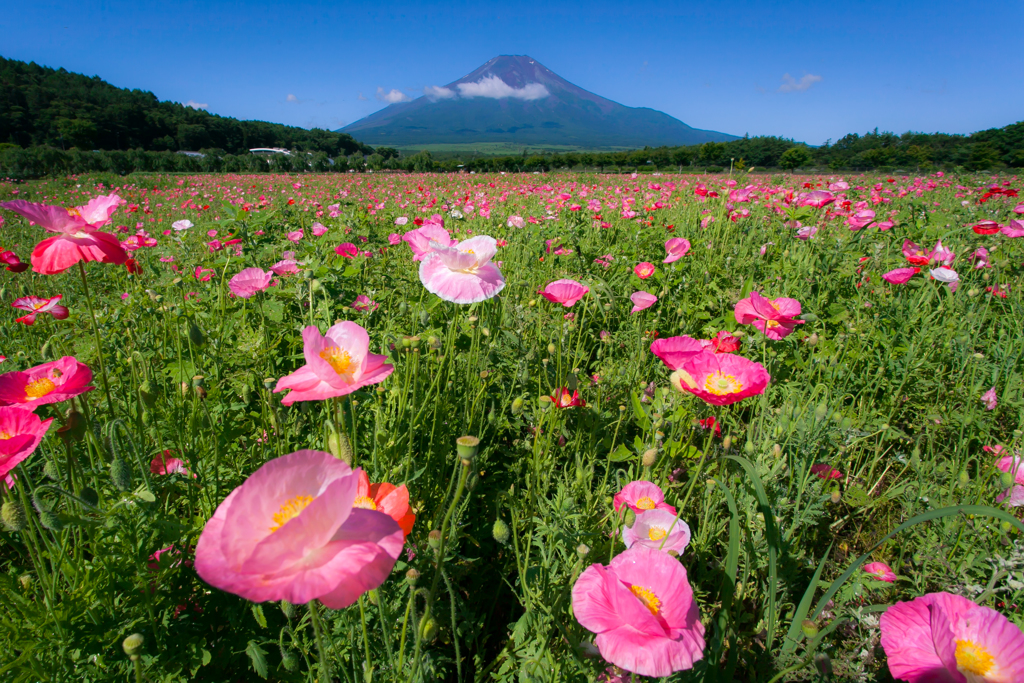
(53, 122)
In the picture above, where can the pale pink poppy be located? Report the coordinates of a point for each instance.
(806, 232)
(644, 270)
(990, 399)
(364, 303)
(565, 292)
(880, 571)
(516, 222)
(337, 364)
(839, 186)
(642, 301)
(642, 610)
(291, 532)
(462, 273)
(641, 495)
(720, 378)
(422, 239)
(947, 276)
(776, 318)
(659, 530)
(295, 236)
(401, 220)
(36, 305)
(286, 266)
(945, 637)
(394, 239)
(22, 432)
(1015, 229)
(676, 248)
(250, 281)
(861, 219)
(51, 382)
(1015, 466)
(900, 276)
(319, 229)
(816, 198)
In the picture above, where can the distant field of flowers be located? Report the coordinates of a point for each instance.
(502, 427)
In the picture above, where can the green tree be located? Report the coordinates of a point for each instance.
(794, 157)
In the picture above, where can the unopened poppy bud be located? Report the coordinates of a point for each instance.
(51, 471)
(246, 394)
(532, 302)
(132, 645)
(1005, 527)
(582, 550)
(1006, 479)
(809, 628)
(50, 520)
(89, 495)
(649, 457)
(428, 628)
(424, 318)
(517, 406)
(340, 447)
(289, 661)
(373, 597)
(185, 388)
(823, 663)
(484, 331)
(411, 577)
(965, 478)
(821, 411)
(813, 339)
(630, 517)
(777, 450)
(148, 393)
(121, 474)
(727, 443)
(314, 285)
(195, 335)
(433, 342)
(466, 447)
(551, 349)
(45, 351)
(500, 531)
(13, 516)
(835, 498)
(748, 447)
(434, 539)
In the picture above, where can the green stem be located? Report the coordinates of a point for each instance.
(99, 344)
(325, 669)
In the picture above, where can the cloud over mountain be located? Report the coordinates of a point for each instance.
(393, 96)
(492, 86)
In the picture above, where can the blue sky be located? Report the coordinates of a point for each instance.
(803, 70)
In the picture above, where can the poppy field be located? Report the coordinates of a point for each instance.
(512, 427)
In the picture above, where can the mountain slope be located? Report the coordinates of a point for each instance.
(514, 98)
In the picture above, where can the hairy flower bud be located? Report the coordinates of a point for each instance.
(148, 394)
(288, 609)
(428, 628)
(630, 518)
(517, 406)
(340, 446)
(500, 531)
(13, 516)
(649, 457)
(289, 661)
(121, 474)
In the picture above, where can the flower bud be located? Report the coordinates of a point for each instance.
(89, 495)
(1005, 527)
(121, 474)
(823, 663)
(148, 394)
(748, 447)
(500, 531)
(517, 406)
(809, 628)
(340, 447)
(428, 628)
(195, 335)
(411, 577)
(466, 447)
(551, 349)
(821, 411)
(965, 478)
(727, 443)
(835, 498)
(314, 285)
(649, 457)
(1006, 479)
(289, 661)
(26, 581)
(50, 520)
(288, 609)
(132, 645)
(424, 318)
(813, 339)
(51, 471)
(777, 450)
(630, 517)
(13, 516)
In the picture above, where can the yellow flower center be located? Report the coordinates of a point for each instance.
(39, 388)
(74, 212)
(772, 323)
(338, 359)
(4, 436)
(364, 502)
(290, 510)
(972, 658)
(720, 385)
(646, 503)
(647, 597)
(468, 251)
(36, 307)
(656, 533)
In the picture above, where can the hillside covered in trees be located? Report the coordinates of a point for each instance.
(43, 107)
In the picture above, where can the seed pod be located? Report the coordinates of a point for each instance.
(434, 539)
(466, 448)
(582, 550)
(133, 645)
(411, 577)
(121, 474)
(500, 531)
(13, 516)
(809, 628)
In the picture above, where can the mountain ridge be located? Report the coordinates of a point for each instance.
(515, 98)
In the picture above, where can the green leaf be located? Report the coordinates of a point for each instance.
(796, 634)
(207, 657)
(257, 611)
(257, 655)
(351, 271)
(643, 421)
(620, 454)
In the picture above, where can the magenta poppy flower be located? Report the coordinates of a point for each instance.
(565, 292)
(658, 530)
(364, 303)
(880, 571)
(77, 236)
(319, 229)
(944, 637)
(337, 364)
(641, 495)
(775, 317)
(562, 398)
(347, 249)
(14, 263)
(1014, 229)
(1014, 465)
(942, 255)
(817, 198)
(642, 610)
(826, 472)
(394, 239)
(990, 399)
(463, 273)
(295, 236)
(287, 266)
(644, 270)
(421, 240)
(291, 532)
(21, 432)
(163, 464)
(674, 351)
(642, 301)
(980, 258)
(806, 232)
(250, 281)
(676, 249)
(721, 378)
(36, 305)
(51, 382)
(900, 276)
(861, 219)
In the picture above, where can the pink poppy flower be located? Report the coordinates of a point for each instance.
(394, 239)
(163, 464)
(642, 609)
(880, 571)
(1019, 209)
(861, 219)
(944, 637)
(674, 351)
(980, 258)
(807, 232)
(839, 186)
(77, 236)
(642, 301)
(422, 240)
(14, 263)
(295, 235)
(462, 273)
(337, 364)
(347, 249)
(250, 281)
(720, 378)
(817, 198)
(915, 255)
(36, 305)
(51, 382)
(291, 532)
(1015, 229)
(203, 274)
(644, 270)
(641, 495)
(22, 431)
(776, 318)
(990, 399)
(319, 229)
(287, 266)
(723, 342)
(676, 249)
(565, 292)
(1014, 465)
(942, 255)
(900, 276)
(826, 472)
(651, 530)
(364, 303)
(181, 225)
(563, 399)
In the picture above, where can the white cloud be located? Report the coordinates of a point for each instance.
(392, 97)
(492, 86)
(790, 84)
(363, 97)
(196, 105)
(436, 92)
(292, 98)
